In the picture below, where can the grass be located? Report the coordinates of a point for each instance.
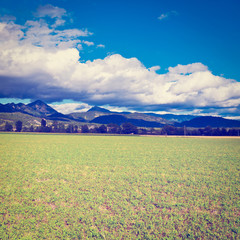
(118, 187)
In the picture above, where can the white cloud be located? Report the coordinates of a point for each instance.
(50, 11)
(154, 68)
(37, 61)
(167, 15)
(88, 43)
(67, 108)
(233, 118)
(45, 33)
(162, 16)
(7, 18)
(190, 68)
(101, 46)
(39, 33)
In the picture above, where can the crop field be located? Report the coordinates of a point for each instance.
(118, 187)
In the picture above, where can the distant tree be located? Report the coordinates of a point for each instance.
(61, 128)
(142, 131)
(84, 129)
(31, 129)
(70, 128)
(201, 131)
(233, 132)
(94, 129)
(163, 131)
(157, 132)
(44, 127)
(113, 128)
(195, 132)
(152, 130)
(182, 131)
(207, 131)
(8, 127)
(18, 126)
(43, 123)
(37, 129)
(128, 128)
(55, 126)
(25, 129)
(224, 132)
(102, 129)
(169, 130)
(76, 129)
(217, 132)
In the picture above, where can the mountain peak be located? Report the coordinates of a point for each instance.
(42, 107)
(98, 109)
(37, 102)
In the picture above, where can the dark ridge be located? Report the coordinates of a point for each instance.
(118, 119)
(200, 122)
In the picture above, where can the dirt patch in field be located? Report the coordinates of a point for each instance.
(52, 205)
(42, 180)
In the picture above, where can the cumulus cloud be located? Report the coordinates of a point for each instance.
(47, 67)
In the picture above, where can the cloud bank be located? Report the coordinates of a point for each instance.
(40, 61)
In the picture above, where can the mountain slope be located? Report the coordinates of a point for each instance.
(148, 118)
(201, 122)
(58, 117)
(119, 119)
(86, 116)
(173, 117)
(90, 114)
(95, 112)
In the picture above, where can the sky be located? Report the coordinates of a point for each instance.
(163, 56)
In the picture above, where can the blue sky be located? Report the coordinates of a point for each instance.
(173, 56)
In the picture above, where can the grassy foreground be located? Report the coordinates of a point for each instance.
(118, 187)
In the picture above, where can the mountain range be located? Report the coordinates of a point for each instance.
(33, 112)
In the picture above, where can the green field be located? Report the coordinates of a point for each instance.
(118, 187)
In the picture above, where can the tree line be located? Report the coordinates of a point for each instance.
(125, 128)
(59, 127)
